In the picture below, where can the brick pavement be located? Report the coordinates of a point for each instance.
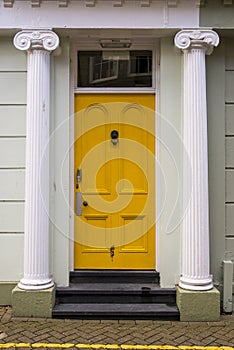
(152, 333)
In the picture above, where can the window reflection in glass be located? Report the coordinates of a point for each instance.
(115, 69)
(140, 65)
(101, 70)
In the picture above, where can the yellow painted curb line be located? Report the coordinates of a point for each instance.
(111, 346)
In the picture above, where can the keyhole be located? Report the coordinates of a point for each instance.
(112, 252)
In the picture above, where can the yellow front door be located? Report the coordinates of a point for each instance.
(115, 174)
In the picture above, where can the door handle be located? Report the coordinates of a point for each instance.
(78, 204)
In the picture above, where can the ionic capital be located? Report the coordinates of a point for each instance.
(36, 40)
(204, 39)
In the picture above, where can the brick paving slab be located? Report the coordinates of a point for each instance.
(139, 332)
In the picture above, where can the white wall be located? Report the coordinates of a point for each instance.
(169, 156)
(59, 171)
(12, 159)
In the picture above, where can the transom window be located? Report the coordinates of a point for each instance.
(115, 69)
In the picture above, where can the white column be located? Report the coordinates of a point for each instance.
(196, 44)
(39, 44)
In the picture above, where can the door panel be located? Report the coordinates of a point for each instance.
(135, 246)
(116, 229)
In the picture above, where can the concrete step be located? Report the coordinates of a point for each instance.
(115, 293)
(117, 311)
(114, 276)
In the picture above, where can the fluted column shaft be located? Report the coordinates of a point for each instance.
(195, 230)
(39, 44)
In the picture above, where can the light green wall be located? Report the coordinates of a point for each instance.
(220, 72)
(13, 77)
(12, 60)
(5, 292)
(215, 67)
(12, 162)
(229, 132)
(215, 14)
(13, 120)
(170, 107)
(220, 98)
(169, 126)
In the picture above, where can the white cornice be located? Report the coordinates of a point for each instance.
(35, 3)
(145, 3)
(106, 14)
(115, 3)
(63, 3)
(92, 3)
(8, 3)
(172, 3)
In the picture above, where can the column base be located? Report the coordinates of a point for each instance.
(196, 284)
(35, 284)
(198, 305)
(33, 303)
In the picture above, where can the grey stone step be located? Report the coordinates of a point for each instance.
(115, 293)
(116, 311)
(114, 276)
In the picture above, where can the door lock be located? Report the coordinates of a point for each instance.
(114, 137)
(112, 252)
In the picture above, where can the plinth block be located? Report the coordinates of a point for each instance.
(198, 305)
(33, 303)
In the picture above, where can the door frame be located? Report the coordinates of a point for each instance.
(93, 44)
